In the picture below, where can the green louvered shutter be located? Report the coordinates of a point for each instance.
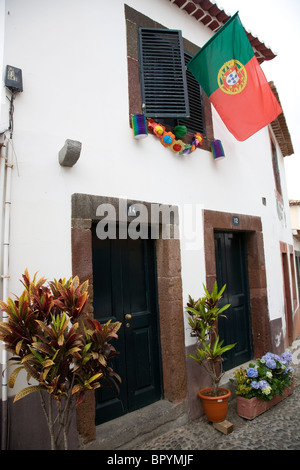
(162, 73)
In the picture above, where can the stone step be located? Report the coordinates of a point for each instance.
(139, 426)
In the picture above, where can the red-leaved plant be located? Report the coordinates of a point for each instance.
(52, 340)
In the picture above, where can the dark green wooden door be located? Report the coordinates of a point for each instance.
(124, 284)
(232, 270)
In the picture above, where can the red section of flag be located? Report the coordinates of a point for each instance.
(247, 112)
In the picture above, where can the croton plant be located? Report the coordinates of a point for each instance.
(57, 345)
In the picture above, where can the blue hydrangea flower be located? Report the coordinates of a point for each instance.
(275, 357)
(254, 384)
(270, 356)
(263, 384)
(286, 357)
(251, 372)
(271, 363)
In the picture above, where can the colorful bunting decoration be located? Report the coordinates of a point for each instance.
(172, 140)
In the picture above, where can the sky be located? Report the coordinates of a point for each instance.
(277, 24)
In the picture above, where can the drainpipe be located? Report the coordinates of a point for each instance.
(6, 170)
(2, 185)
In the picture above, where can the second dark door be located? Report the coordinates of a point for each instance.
(232, 270)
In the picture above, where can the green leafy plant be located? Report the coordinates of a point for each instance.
(203, 315)
(266, 377)
(54, 343)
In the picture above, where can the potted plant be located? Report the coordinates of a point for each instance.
(203, 316)
(56, 345)
(263, 384)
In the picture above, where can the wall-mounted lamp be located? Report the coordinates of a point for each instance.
(70, 153)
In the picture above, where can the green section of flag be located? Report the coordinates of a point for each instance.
(230, 42)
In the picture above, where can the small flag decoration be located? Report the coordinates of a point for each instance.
(230, 75)
(139, 126)
(217, 149)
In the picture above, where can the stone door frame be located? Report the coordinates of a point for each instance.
(169, 288)
(252, 227)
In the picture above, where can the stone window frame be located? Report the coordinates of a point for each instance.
(169, 290)
(134, 19)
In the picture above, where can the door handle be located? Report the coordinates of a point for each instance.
(128, 316)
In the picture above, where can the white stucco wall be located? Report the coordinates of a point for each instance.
(295, 216)
(295, 223)
(74, 61)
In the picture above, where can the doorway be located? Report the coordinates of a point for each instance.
(287, 297)
(232, 270)
(124, 285)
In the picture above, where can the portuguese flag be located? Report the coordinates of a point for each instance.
(232, 78)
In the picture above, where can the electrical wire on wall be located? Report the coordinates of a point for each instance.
(11, 112)
(11, 124)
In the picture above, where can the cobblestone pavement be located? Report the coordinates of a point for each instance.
(276, 429)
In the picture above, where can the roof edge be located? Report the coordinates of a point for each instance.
(213, 17)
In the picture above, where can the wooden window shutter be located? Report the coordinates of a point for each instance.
(162, 73)
(195, 122)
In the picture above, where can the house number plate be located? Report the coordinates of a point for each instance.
(235, 220)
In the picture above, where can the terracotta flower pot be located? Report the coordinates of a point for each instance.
(215, 408)
(250, 408)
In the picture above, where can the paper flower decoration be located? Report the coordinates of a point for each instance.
(167, 139)
(198, 139)
(186, 150)
(177, 146)
(158, 130)
(150, 123)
